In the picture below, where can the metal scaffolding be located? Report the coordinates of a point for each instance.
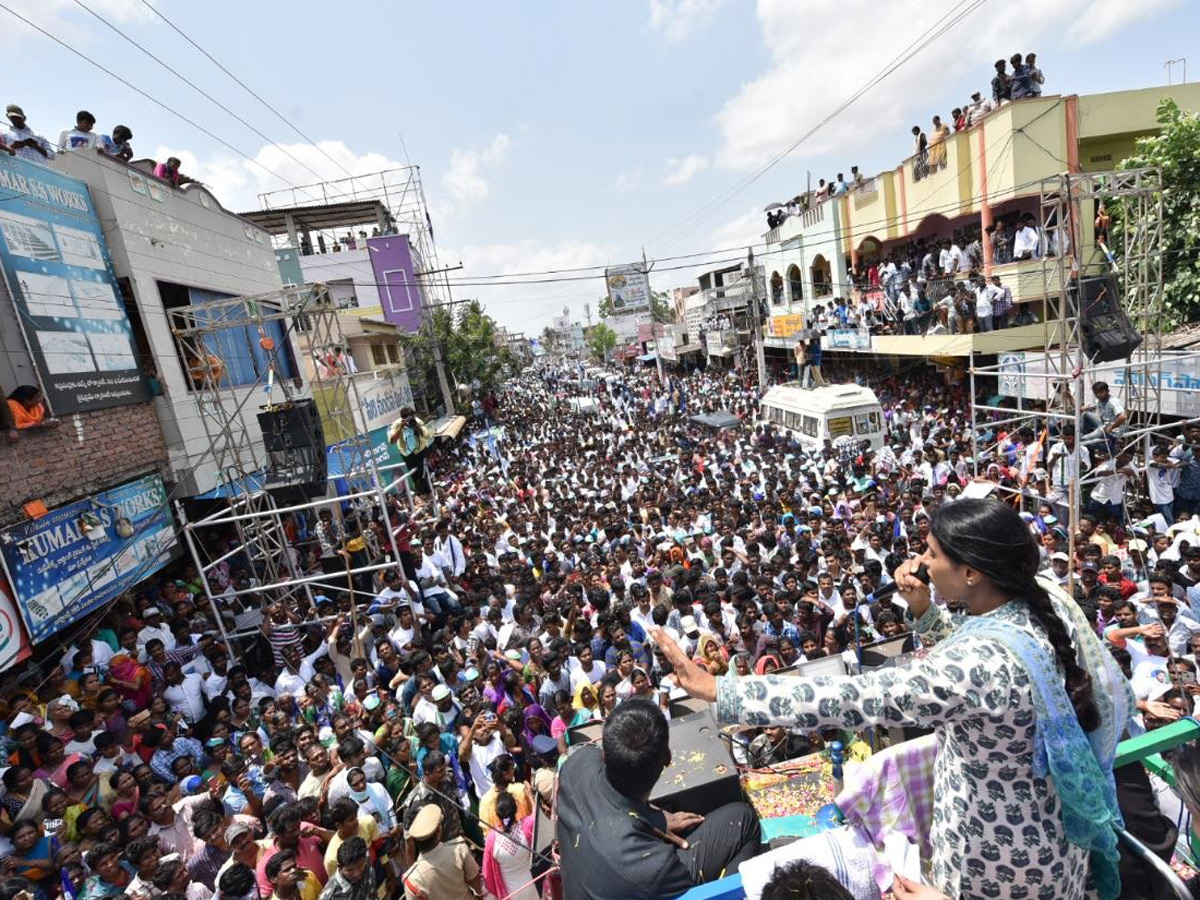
(202, 332)
(1052, 387)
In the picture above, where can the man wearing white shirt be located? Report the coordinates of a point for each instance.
(451, 549)
(185, 693)
(297, 670)
(983, 307)
(1025, 244)
(154, 627)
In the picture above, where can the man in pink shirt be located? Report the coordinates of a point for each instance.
(286, 829)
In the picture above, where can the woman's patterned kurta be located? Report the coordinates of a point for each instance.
(997, 830)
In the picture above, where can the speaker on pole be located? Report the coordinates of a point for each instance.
(296, 456)
(1108, 334)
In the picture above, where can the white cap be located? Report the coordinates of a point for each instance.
(688, 623)
(1060, 556)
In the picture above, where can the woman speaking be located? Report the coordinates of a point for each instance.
(1027, 705)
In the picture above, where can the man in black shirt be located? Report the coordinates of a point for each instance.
(616, 846)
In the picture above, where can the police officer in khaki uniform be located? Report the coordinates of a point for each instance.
(442, 871)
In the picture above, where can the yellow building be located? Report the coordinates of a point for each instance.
(993, 172)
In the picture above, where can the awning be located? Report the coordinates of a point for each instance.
(648, 357)
(447, 426)
(688, 348)
(247, 484)
(724, 352)
(719, 419)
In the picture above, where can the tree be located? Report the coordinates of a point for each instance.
(661, 309)
(601, 339)
(1174, 151)
(472, 352)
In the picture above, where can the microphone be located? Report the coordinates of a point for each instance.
(922, 575)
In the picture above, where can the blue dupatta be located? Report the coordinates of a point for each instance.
(1080, 765)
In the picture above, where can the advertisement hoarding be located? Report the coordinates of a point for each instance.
(785, 326)
(1176, 375)
(79, 556)
(628, 288)
(61, 279)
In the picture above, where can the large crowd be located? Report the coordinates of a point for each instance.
(396, 734)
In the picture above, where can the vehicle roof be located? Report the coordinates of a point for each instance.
(831, 396)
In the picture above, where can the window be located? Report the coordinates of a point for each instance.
(378, 355)
(795, 284)
(233, 338)
(810, 426)
(393, 353)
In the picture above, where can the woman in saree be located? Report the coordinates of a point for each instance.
(132, 680)
(711, 655)
(23, 797)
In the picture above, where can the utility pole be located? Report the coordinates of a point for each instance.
(653, 331)
(759, 350)
(427, 314)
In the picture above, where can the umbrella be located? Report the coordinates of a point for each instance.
(771, 206)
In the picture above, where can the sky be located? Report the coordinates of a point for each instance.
(555, 135)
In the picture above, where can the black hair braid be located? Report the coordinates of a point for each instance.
(1078, 680)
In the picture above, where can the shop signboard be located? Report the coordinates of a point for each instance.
(785, 326)
(62, 282)
(846, 339)
(79, 556)
(1175, 373)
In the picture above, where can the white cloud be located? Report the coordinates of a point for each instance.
(465, 177)
(806, 79)
(677, 19)
(681, 171)
(628, 181)
(67, 21)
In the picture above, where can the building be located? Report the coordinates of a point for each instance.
(173, 249)
(679, 297)
(97, 256)
(376, 273)
(993, 174)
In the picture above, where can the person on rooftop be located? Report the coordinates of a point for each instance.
(169, 172)
(81, 137)
(117, 143)
(25, 142)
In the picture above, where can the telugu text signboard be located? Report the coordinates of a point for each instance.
(79, 556)
(628, 288)
(61, 279)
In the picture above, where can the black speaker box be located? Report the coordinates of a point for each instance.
(297, 469)
(702, 775)
(1108, 334)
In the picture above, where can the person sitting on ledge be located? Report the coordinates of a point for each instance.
(614, 844)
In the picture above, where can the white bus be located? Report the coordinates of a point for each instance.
(812, 415)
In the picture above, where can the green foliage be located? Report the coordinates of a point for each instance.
(601, 340)
(1175, 151)
(470, 350)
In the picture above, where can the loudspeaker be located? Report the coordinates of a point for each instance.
(1108, 334)
(702, 775)
(294, 439)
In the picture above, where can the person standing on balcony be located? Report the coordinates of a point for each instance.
(937, 144)
(840, 186)
(1001, 87)
(1002, 302)
(983, 305)
(1025, 244)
